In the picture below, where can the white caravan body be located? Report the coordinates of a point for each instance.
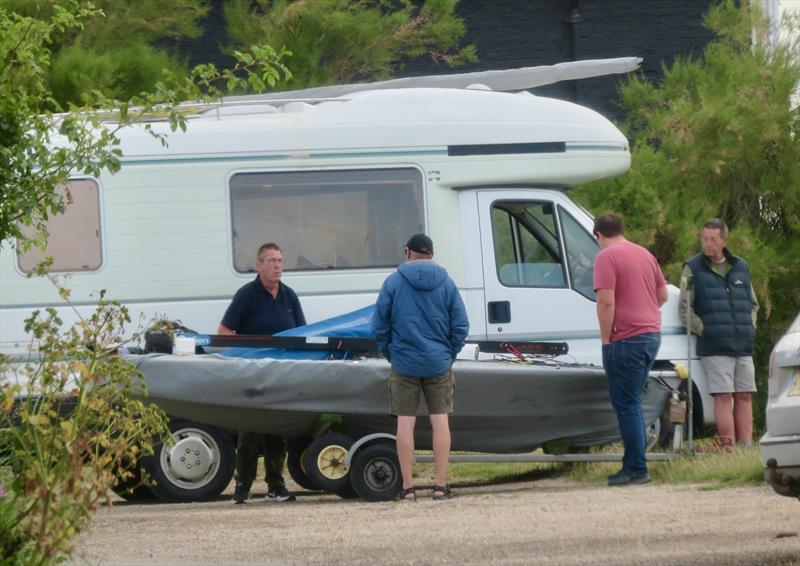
(340, 185)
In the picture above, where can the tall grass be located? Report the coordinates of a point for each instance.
(712, 471)
(742, 467)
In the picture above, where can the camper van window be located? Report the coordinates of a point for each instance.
(581, 251)
(74, 236)
(334, 219)
(526, 246)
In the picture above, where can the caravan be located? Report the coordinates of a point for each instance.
(340, 183)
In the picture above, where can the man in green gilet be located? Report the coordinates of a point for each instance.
(724, 309)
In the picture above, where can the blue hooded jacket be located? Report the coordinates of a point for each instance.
(420, 321)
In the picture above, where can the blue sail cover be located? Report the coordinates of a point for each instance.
(355, 324)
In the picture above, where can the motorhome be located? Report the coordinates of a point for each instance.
(340, 183)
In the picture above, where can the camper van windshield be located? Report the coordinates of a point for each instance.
(581, 251)
(333, 219)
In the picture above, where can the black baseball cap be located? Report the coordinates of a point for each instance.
(420, 243)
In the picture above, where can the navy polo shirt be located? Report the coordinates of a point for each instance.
(253, 310)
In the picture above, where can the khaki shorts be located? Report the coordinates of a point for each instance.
(404, 394)
(729, 374)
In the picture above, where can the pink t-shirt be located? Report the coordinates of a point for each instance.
(635, 276)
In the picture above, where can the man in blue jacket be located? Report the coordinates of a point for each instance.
(420, 324)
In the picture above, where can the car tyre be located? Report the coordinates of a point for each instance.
(196, 464)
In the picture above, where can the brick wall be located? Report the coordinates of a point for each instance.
(526, 33)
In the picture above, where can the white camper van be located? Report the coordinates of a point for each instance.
(340, 184)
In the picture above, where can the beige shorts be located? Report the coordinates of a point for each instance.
(404, 394)
(729, 374)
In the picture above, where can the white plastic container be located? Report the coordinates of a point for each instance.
(183, 346)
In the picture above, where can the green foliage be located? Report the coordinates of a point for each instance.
(340, 41)
(719, 137)
(115, 49)
(40, 149)
(118, 73)
(70, 428)
(57, 466)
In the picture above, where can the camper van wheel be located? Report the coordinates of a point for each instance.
(659, 434)
(375, 472)
(324, 461)
(132, 488)
(195, 464)
(294, 463)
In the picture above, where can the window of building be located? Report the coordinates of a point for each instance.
(526, 246)
(336, 219)
(74, 236)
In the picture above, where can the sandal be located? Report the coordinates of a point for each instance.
(718, 445)
(446, 493)
(408, 494)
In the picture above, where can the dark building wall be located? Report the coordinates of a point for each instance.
(526, 33)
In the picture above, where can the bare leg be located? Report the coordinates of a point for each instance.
(723, 415)
(405, 448)
(441, 447)
(743, 417)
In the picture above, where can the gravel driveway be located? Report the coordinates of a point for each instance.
(539, 522)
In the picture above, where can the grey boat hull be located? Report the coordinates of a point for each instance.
(499, 407)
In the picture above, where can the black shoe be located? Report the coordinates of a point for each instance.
(279, 494)
(241, 494)
(624, 478)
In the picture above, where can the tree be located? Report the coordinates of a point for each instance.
(718, 137)
(341, 41)
(39, 148)
(58, 462)
(119, 49)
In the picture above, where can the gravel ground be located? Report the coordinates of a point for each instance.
(538, 522)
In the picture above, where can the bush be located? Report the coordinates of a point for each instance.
(73, 424)
(720, 137)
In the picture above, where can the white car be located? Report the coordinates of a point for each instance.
(780, 446)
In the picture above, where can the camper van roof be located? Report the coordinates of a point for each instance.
(381, 120)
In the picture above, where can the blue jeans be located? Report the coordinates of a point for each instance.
(628, 363)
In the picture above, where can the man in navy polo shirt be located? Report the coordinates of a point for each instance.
(263, 306)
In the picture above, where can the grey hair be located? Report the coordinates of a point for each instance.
(717, 224)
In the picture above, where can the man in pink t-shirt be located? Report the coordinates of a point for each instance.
(630, 290)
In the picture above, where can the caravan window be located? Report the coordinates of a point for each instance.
(526, 246)
(74, 238)
(337, 219)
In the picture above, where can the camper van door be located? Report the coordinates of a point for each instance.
(538, 254)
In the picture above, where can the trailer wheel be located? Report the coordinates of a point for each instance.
(375, 473)
(195, 464)
(294, 463)
(324, 461)
(347, 493)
